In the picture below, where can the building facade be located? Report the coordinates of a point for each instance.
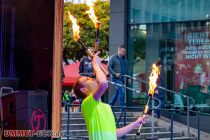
(174, 31)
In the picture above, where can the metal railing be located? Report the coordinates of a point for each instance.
(188, 98)
(124, 111)
(159, 87)
(68, 105)
(198, 113)
(171, 111)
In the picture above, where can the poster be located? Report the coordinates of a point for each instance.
(192, 59)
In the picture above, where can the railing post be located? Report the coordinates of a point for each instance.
(152, 117)
(172, 119)
(188, 116)
(124, 116)
(124, 137)
(68, 121)
(121, 113)
(198, 119)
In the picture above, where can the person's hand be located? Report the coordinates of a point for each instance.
(156, 91)
(96, 61)
(141, 120)
(118, 75)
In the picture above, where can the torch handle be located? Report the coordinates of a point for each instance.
(98, 24)
(138, 132)
(103, 69)
(96, 40)
(90, 53)
(146, 109)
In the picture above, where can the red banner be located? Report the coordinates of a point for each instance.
(192, 59)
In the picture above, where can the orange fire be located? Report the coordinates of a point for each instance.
(153, 79)
(75, 27)
(91, 13)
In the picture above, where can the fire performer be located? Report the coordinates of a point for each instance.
(98, 116)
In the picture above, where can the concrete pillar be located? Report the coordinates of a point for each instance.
(117, 29)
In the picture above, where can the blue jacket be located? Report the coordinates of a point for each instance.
(114, 65)
(85, 66)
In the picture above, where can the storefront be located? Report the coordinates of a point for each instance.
(177, 32)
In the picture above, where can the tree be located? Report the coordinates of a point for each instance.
(87, 29)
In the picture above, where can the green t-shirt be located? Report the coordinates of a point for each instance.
(99, 119)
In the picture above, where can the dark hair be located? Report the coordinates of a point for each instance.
(159, 62)
(121, 47)
(77, 89)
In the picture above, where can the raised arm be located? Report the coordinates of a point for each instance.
(100, 77)
(124, 130)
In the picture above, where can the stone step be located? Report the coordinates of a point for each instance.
(157, 134)
(76, 138)
(127, 138)
(179, 138)
(83, 132)
(83, 126)
(81, 120)
(78, 129)
(64, 125)
(134, 136)
(74, 126)
(79, 114)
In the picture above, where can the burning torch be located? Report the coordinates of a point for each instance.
(96, 22)
(76, 37)
(152, 85)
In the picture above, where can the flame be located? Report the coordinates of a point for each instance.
(153, 79)
(75, 27)
(91, 13)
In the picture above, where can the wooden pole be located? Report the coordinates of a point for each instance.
(57, 64)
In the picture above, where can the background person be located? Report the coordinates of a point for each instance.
(159, 93)
(85, 67)
(117, 67)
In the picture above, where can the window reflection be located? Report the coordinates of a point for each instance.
(184, 49)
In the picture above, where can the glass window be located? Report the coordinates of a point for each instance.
(167, 10)
(177, 33)
(184, 50)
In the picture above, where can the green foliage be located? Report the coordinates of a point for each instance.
(87, 29)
